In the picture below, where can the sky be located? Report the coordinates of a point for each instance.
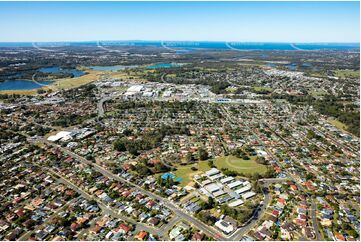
(296, 22)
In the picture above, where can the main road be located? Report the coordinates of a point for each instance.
(100, 105)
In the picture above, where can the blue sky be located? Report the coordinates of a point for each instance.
(211, 21)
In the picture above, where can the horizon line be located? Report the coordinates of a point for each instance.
(203, 41)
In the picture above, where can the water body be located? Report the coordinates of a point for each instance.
(21, 84)
(29, 84)
(262, 56)
(110, 68)
(292, 67)
(57, 69)
(164, 65)
(272, 65)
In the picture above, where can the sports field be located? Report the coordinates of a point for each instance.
(243, 166)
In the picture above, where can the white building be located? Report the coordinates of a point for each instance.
(243, 190)
(224, 226)
(212, 187)
(227, 180)
(234, 184)
(216, 177)
(134, 89)
(248, 195)
(64, 135)
(212, 172)
(236, 203)
(218, 193)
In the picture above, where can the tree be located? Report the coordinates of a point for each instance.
(211, 202)
(143, 170)
(127, 132)
(119, 145)
(189, 157)
(211, 164)
(203, 154)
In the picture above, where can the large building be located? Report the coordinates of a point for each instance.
(136, 89)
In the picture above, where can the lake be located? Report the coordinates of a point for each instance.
(29, 85)
(110, 68)
(262, 56)
(292, 67)
(57, 69)
(21, 85)
(164, 65)
(271, 65)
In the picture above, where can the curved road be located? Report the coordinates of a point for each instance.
(313, 205)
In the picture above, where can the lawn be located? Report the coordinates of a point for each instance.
(338, 124)
(237, 164)
(318, 92)
(186, 173)
(347, 73)
(20, 92)
(67, 83)
(258, 89)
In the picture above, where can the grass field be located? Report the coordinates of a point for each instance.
(347, 73)
(338, 124)
(186, 173)
(230, 162)
(67, 83)
(236, 164)
(19, 92)
(318, 92)
(258, 89)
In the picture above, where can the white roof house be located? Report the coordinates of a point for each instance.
(218, 193)
(261, 153)
(205, 182)
(234, 184)
(225, 227)
(227, 180)
(236, 203)
(243, 189)
(216, 176)
(212, 172)
(205, 192)
(212, 188)
(248, 195)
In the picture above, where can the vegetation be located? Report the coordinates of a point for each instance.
(147, 141)
(347, 113)
(242, 214)
(348, 73)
